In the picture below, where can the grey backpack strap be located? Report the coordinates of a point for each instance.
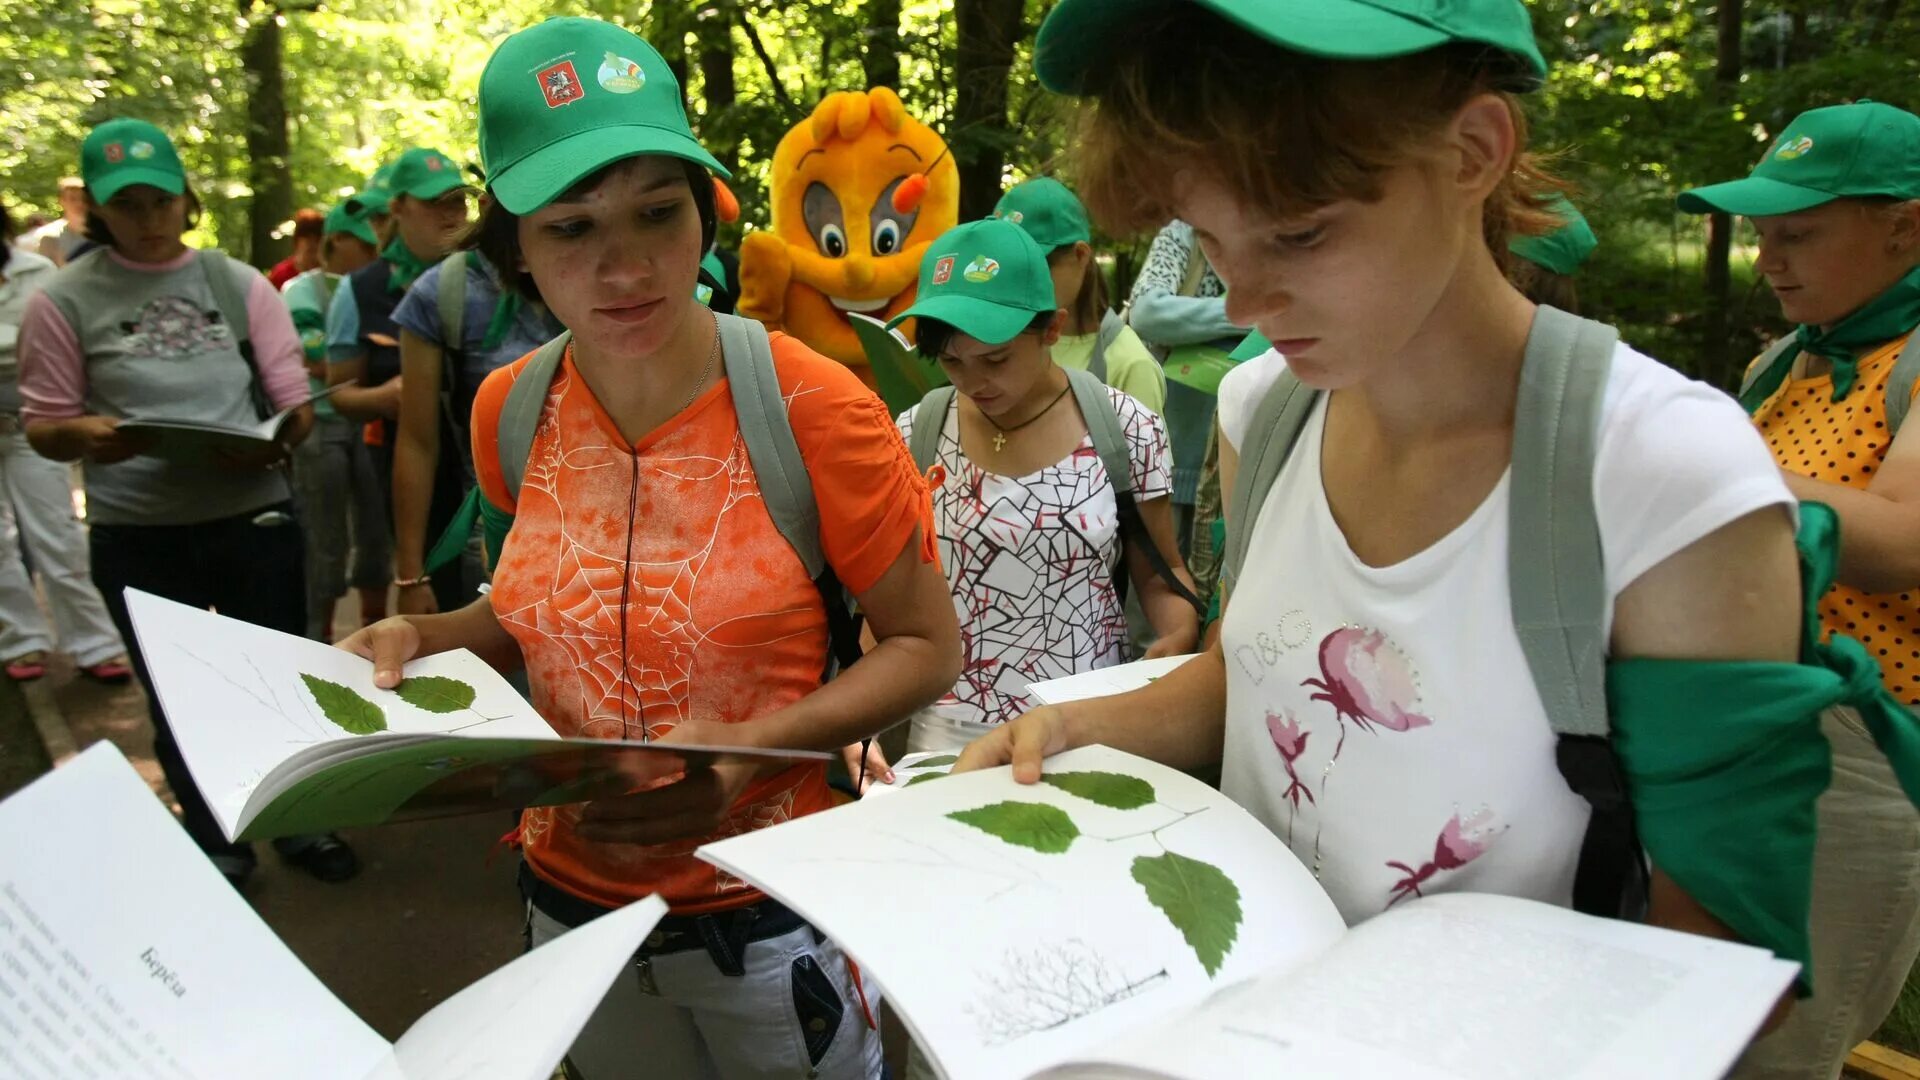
(1557, 576)
(1759, 367)
(762, 409)
(226, 295)
(1103, 425)
(452, 301)
(1277, 423)
(520, 415)
(1110, 326)
(929, 418)
(1906, 371)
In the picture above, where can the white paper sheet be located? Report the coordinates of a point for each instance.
(1105, 682)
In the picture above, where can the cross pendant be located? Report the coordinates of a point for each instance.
(999, 442)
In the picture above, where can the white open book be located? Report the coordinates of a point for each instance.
(124, 953)
(1121, 918)
(286, 736)
(196, 442)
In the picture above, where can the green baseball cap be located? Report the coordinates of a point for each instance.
(350, 217)
(1565, 248)
(424, 173)
(986, 279)
(1079, 37)
(1840, 151)
(377, 196)
(124, 152)
(1048, 210)
(564, 99)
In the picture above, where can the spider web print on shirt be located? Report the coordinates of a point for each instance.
(1030, 562)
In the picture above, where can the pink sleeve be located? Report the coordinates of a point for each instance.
(276, 344)
(53, 374)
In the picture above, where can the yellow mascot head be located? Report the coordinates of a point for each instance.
(859, 189)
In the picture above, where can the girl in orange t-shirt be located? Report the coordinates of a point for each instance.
(1836, 201)
(647, 589)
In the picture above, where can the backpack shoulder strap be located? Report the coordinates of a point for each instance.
(227, 297)
(1556, 573)
(520, 414)
(452, 301)
(1906, 371)
(1759, 367)
(764, 427)
(1103, 425)
(929, 417)
(1110, 326)
(1276, 426)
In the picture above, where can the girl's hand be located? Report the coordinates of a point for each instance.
(389, 643)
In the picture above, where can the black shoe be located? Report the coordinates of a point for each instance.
(236, 866)
(326, 857)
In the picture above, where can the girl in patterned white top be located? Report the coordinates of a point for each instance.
(1030, 532)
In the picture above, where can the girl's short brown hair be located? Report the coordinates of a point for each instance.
(496, 233)
(1283, 129)
(1091, 302)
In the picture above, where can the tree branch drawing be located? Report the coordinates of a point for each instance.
(272, 706)
(1197, 897)
(1046, 987)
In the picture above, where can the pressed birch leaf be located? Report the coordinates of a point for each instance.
(1117, 790)
(435, 693)
(1043, 828)
(349, 711)
(1199, 900)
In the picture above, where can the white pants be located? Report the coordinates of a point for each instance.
(36, 509)
(682, 1019)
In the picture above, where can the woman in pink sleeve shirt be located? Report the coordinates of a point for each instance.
(138, 328)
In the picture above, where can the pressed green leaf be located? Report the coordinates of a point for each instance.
(1199, 900)
(936, 761)
(1043, 828)
(435, 693)
(354, 714)
(923, 778)
(1118, 790)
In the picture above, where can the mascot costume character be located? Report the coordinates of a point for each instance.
(859, 189)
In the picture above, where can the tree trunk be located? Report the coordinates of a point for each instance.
(269, 169)
(717, 87)
(1717, 357)
(986, 32)
(879, 55)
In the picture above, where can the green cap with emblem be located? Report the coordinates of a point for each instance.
(424, 173)
(1565, 248)
(1079, 38)
(350, 217)
(376, 197)
(123, 152)
(986, 279)
(564, 99)
(1841, 151)
(1048, 210)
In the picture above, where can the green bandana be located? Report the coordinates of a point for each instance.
(1887, 316)
(504, 314)
(406, 265)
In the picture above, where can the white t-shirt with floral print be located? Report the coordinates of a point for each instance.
(1030, 562)
(1383, 720)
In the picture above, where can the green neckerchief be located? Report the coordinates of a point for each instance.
(504, 314)
(1885, 317)
(407, 267)
(1725, 761)
(493, 521)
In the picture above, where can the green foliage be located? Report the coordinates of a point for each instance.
(435, 693)
(352, 713)
(1046, 829)
(1116, 790)
(1198, 899)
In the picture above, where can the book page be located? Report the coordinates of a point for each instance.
(124, 955)
(1013, 926)
(1475, 987)
(517, 1023)
(1105, 682)
(243, 699)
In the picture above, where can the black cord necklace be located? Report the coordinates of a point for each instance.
(1001, 433)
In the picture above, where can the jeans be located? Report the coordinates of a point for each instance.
(243, 567)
